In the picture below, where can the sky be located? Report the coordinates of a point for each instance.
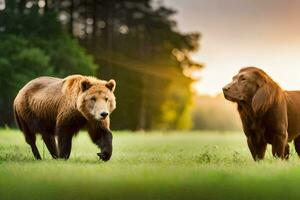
(239, 33)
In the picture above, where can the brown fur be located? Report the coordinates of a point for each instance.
(59, 108)
(269, 114)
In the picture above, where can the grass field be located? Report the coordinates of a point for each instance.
(202, 165)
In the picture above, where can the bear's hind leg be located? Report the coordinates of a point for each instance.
(30, 139)
(51, 144)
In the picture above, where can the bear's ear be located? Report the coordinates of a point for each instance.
(111, 85)
(85, 84)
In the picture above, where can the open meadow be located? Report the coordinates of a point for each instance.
(173, 165)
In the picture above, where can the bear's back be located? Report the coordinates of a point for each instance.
(40, 83)
(38, 101)
(41, 88)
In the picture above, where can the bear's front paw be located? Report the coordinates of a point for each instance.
(104, 156)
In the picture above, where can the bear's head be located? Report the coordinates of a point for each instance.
(96, 99)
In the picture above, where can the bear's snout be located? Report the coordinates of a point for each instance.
(104, 114)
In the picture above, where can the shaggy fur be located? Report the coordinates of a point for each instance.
(59, 108)
(269, 114)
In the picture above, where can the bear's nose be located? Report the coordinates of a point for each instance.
(104, 114)
(226, 88)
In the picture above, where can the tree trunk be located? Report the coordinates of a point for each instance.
(71, 17)
(46, 6)
(95, 17)
(22, 4)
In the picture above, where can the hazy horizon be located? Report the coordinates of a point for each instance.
(239, 33)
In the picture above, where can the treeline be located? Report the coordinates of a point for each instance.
(135, 42)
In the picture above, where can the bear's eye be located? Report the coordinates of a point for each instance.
(106, 99)
(93, 98)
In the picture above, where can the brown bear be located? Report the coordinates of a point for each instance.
(58, 108)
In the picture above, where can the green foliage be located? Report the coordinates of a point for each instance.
(67, 56)
(43, 30)
(199, 165)
(176, 108)
(19, 63)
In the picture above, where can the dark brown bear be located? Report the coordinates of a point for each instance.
(59, 108)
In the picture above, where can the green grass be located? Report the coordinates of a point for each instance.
(202, 165)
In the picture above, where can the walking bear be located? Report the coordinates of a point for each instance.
(58, 108)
